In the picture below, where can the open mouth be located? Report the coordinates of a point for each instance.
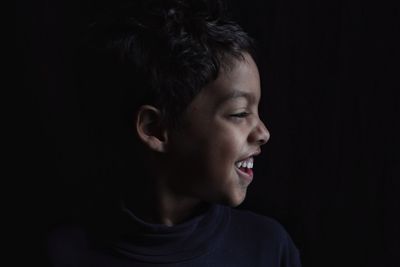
(245, 167)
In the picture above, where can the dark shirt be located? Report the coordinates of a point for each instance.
(219, 236)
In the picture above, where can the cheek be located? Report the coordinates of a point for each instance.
(210, 153)
(210, 163)
(223, 151)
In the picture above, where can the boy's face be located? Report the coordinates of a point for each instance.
(220, 128)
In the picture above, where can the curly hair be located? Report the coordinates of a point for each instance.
(156, 52)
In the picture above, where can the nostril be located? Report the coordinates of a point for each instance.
(262, 141)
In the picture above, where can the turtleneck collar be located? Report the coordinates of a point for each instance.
(158, 243)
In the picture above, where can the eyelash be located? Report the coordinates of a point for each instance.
(240, 115)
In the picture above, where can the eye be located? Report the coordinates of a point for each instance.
(240, 115)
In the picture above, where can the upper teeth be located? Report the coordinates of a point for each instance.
(248, 163)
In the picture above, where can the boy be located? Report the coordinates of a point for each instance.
(172, 85)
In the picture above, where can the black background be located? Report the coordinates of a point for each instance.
(330, 75)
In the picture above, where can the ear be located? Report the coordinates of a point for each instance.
(150, 129)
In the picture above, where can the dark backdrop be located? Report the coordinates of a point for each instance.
(330, 74)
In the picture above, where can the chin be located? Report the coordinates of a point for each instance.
(234, 200)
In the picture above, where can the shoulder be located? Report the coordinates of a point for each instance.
(66, 235)
(66, 244)
(259, 224)
(266, 234)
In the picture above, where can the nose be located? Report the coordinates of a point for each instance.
(259, 134)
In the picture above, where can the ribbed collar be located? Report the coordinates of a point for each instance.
(157, 243)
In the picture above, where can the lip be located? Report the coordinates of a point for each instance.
(245, 176)
(256, 153)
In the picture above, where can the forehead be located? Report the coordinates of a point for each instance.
(240, 80)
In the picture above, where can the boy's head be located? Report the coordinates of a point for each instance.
(179, 78)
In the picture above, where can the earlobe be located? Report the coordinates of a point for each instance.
(150, 129)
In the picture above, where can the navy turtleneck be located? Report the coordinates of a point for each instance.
(159, 243)
(217, 236)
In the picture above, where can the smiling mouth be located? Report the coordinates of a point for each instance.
(245, 168)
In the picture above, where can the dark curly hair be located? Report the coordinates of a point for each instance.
(155, 52)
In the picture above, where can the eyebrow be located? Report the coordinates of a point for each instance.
(237, 94)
